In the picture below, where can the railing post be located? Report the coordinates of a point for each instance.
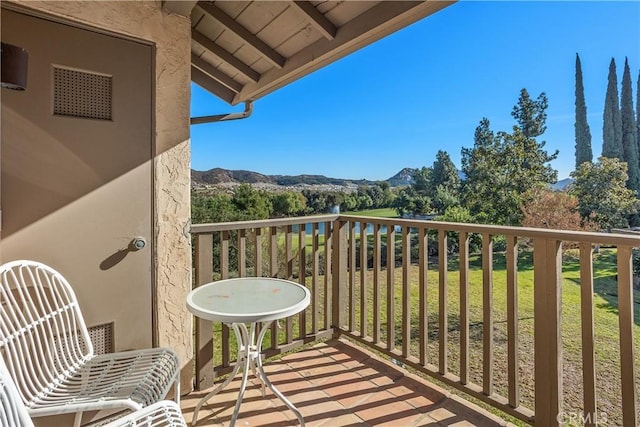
(547, 266)
(204, 328)
(339, 274)
(443, 292)
(487, 314)
(513, 366)
(625, 322)
(588, 335)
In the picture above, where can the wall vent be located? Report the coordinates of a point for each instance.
(102, 338)
(83, 94)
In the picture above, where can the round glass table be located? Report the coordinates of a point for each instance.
(242, 304)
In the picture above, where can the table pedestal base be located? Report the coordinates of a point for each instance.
(249, 358)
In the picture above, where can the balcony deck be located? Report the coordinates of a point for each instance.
(336, 383)
(496, 304)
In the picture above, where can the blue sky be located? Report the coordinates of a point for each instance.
(395, 103)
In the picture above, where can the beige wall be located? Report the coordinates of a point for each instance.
(171, 35)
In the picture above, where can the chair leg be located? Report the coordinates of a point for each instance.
(177, 387)
(77, 421)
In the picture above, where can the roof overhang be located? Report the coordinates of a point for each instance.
(244, 50)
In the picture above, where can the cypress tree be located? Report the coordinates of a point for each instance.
(583, 133)
(611, 124)
(638, 115)
(629, 130)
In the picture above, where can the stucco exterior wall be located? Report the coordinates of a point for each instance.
(170, 33)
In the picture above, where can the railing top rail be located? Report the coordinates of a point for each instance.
(261, 223)
(523, 232)
(526, 232)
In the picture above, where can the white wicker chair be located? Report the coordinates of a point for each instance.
(160, 414)
(46, 346)
(13, 413)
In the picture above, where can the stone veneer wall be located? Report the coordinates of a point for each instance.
(171, 34)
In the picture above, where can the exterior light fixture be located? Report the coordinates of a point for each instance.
(15, 61)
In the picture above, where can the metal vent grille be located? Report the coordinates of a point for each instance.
(82, 94)
(102, 338)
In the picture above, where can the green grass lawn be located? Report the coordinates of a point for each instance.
(605, 319)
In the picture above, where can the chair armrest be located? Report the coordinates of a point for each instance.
(163, 413)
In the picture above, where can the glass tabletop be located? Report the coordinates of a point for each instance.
(248, 299)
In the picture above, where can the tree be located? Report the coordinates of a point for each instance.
(531, 115)
(445, 198)
(376, 193)
(208, 208)
(411, 203)
(582, 131)
(611, 124)
(403, 203)
(316, 201)
(445, 182)
(545, 208)
(380, 193)
(387, 192)
(287, 203)
(477, 164)
(422, 180)
(444, 172)
(462, 215)
(456, 214)
(500, 168)
(349, 203)
(251, 203)
(629, 131)
(602, 193)
(638, 113)
(364, 201)
(416, 199)
(334, 198)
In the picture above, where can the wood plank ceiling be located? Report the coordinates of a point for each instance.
(243, 50)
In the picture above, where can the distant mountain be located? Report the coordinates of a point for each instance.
(224, 176)
(405, 177)
(220, 176)
(562, 184)
(402, 178)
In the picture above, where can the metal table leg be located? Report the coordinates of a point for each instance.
(249, 358)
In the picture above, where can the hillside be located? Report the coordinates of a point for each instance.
(562, 184)
(404, 177)
(218, 176)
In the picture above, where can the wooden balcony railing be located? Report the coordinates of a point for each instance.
(270, 248)
(370, 281)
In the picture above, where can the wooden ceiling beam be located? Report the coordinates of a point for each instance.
(251, 40)
(205, 81)
(215, 73)
(381, 20)
(315, 18)
(225, 56)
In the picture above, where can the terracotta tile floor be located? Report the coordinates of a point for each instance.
(338, 384)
